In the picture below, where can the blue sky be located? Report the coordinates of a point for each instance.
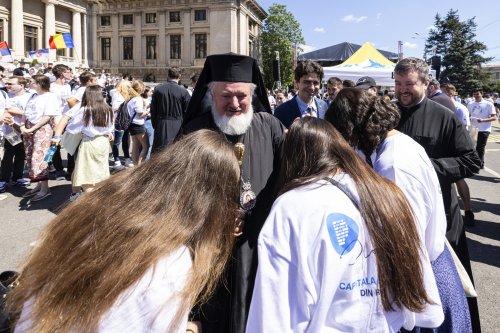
(384, 23)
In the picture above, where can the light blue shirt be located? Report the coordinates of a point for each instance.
(303, 106)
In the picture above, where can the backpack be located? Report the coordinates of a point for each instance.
(123, 119)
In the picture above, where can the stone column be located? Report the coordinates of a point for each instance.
(162, 47)
(17, 28)
(84, 45)
(139, 41)
(187, 41)
(95, 46)
(50, 26)
(76, 32)
(115, 41)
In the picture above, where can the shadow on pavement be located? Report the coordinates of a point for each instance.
(485, 229)
(480, 204)
(53, 203)
(484, 253)
(489, 179)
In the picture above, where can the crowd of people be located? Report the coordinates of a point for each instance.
(264, 210)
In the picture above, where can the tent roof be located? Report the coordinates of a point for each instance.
(339, 52)
(367, 52)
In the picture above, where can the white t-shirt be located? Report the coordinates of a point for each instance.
(41, 105)
(18, 102)
(78, 93)
(63, 92)
(317, 271)
(5, 103)
(116, 99)
(136, 106)
(462, 114)
(78, 124)
(146, 306)
(401, 159)
(481, 110)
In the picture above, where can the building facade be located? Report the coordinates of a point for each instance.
(146, 37)
(26, 25)
(493, 71)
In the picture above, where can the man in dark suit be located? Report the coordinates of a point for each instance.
(308, 76)
(168, 105)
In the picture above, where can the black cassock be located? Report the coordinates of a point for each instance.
(448, 145)
(227, 310)
(168, 105)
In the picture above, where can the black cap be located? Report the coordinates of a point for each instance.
(227, 67)
(365, 82)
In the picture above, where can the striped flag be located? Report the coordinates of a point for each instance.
(42, 54)
(61, 41)
(5, 55)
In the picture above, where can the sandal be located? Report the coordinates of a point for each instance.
(39, 196)
(31, 192)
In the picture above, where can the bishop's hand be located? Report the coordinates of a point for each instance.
(239, 222)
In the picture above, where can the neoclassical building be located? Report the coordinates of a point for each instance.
(141, 37)
(27, 25)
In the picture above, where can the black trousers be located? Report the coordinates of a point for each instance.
(482, 139)
(13, 161)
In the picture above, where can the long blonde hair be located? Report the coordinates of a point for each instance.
(99, 246)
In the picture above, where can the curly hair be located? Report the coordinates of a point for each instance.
(363, 120)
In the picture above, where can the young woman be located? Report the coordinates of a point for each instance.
(150, 132)
(138, 113)
(368, 123)
(106, 266)
(339, 250)
(37, 131)
(119, 95)
(95, 120)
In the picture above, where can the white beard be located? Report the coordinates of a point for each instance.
(235, 125)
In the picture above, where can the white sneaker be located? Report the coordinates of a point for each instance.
(118, 166)
(129, 163)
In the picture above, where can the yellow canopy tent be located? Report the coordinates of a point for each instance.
(365, 52)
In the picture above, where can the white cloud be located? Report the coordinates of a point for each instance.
(379, 15)
(431, 27)
(410, 45)
(352, 18)
(385, 48)
(307, 48)
(318, 29)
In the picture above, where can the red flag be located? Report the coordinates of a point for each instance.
(4, 45)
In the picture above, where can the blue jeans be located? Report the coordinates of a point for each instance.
(119, 137)
(151, 134)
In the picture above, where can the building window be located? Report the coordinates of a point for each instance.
(497, 74)
(1, 30)
(105, 20)
(150, 17)
(175, 16)
(175, 46)
(128, 19)
(200, 15)
(30, 38)
(150, 47)
(200, 42)
(128, 48)
(106, 48)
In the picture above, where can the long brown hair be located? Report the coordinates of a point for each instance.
(313, 149)
(102, 244)
(96, 110)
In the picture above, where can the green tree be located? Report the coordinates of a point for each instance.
(461, 54)
(281, 32)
